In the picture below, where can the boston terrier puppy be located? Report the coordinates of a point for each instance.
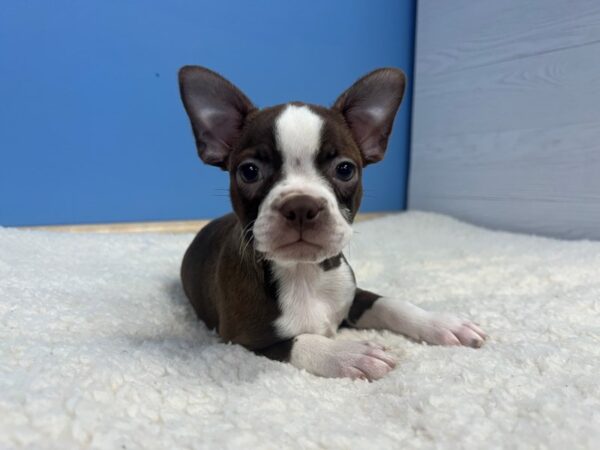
(272, 276)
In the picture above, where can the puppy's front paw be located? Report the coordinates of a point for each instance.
(363, 360)
(446, 329)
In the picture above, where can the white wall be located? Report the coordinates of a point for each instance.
(506, 119)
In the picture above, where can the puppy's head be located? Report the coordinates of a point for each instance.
(295, 169)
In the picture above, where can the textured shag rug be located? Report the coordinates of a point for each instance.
(99, 348)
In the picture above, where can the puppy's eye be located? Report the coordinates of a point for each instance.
(249, 172)
(345, 171)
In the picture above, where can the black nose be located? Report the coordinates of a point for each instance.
(301, 209)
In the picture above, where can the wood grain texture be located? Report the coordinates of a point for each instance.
(182, 226)
(506, 114)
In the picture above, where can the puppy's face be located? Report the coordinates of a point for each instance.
(295, 180)
(295, 169)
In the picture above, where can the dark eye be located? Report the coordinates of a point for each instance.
(345, 171)
(249, 172)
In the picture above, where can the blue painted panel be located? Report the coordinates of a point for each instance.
(91, 125)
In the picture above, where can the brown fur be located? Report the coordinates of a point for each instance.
(230, 291)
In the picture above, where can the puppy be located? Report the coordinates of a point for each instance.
(271, 276)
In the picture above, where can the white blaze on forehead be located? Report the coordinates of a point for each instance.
(298, 134)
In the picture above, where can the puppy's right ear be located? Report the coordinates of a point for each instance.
(217, 110)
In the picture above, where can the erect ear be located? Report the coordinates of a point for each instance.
(369, 106)
(217, 110)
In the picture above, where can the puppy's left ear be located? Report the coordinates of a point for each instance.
(370, 106)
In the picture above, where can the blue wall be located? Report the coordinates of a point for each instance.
(91, 125)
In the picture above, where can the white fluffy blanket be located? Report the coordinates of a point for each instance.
(99, 348)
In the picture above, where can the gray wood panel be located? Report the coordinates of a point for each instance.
(506, 114)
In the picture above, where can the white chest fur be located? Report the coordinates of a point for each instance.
(311, 299)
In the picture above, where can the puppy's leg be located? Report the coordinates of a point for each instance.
(370, 310)
(326, 357)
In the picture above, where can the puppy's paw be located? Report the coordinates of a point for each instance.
(331, 358)
(362, 360)
(446, 329)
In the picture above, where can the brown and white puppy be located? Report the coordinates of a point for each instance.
(272, 276)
